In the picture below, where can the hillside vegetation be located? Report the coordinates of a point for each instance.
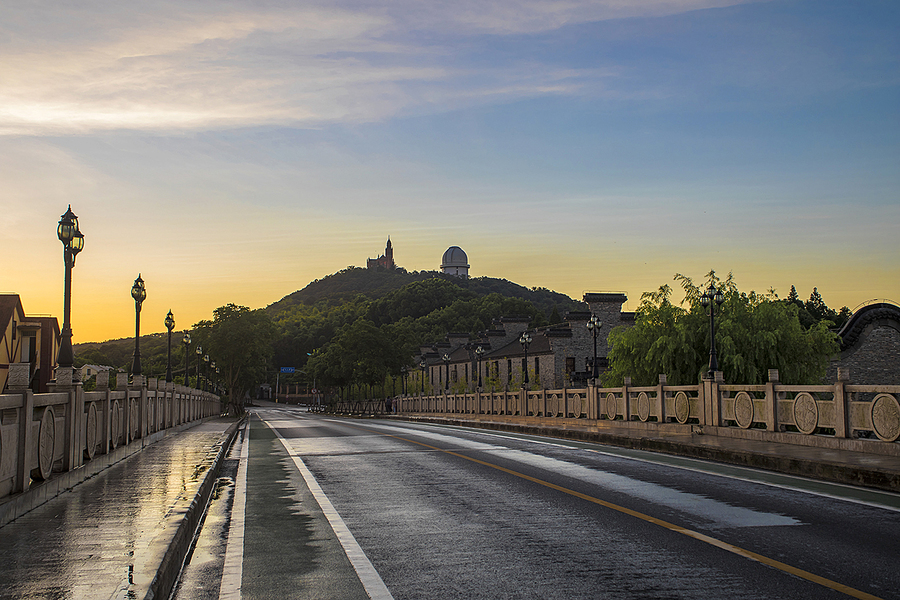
(405, 308)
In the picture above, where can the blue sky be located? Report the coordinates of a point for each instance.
(234, 151)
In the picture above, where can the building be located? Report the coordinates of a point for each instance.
(455, 262)
(385, 261)
(560, 355)
(870, 346)
(28, 346)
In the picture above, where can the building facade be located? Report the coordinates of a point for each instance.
(560, 355)
(385, 261)
(28, 346)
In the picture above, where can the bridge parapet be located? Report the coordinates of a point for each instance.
(840, 415)
(47, 437)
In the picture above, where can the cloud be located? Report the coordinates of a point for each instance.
(164, 66)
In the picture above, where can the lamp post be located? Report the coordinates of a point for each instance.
(594, 326)
(170, 325)
(213, 380)
(199, 352)
(446, 358)
(711, 298)
(186, 340)
(68, 233)
(206, 372)
(139, 293)
(423, 365)
(479, 354)
(525, 340)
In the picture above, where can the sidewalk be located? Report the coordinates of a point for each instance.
(124, 532)
(867, 469)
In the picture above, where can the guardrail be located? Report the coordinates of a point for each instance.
(802, 414)
(44, 435)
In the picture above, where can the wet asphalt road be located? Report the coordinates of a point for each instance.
(448, 513)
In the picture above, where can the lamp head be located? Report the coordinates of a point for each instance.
(170, 321)
(138, 291)
(186, 340)
(68, 225)
(199, 350)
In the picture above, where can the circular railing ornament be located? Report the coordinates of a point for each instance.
(133, 404)
(886, 417)
(46, 443)
(682, 408)
(90, 434)
(643, 407)
(115, 425)
(806, 413)
(743, 410)
(612, 408)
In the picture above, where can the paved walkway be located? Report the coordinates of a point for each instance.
(120, 534)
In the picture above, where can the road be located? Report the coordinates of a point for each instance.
(311, 506)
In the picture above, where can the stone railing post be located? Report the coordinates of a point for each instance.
(626, 399)
(661, 398)
(772, 401)
(840, 403)
(23, 462)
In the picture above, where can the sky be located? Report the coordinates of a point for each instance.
(234, 151)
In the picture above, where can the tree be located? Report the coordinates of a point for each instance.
(240, 341)
(754, 333)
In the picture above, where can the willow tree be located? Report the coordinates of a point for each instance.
(754, 333)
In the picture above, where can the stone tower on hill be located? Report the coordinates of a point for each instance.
(385, 261)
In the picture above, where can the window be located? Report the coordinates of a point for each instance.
(570, 364)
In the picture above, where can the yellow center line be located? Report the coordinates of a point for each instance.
(823, 581)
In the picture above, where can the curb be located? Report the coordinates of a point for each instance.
(186, 520)
(881, 479)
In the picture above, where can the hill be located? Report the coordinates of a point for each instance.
(373, 284)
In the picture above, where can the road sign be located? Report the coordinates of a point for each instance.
(287, 369)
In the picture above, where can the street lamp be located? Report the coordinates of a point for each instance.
(479, 354)
(525, 340)
(423, 365)
(170, 325)
(206, 372)
(446, 358)
(199, 352)
(139, 293)
(73, 242)
(594, 326)
(186, 340)
(710, 299)
(212, 373)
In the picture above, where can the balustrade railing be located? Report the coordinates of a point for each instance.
(42, 435)
(841, 410)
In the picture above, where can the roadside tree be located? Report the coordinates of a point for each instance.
(754, 333)
(240, 342)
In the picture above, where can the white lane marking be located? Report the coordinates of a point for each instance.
(368, 576)
(233, 571)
